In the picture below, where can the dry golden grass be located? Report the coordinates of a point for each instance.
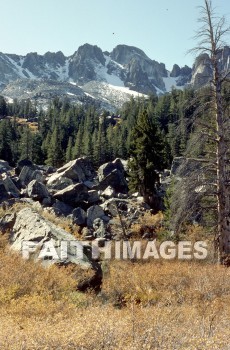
(13, 208)
(147, 220)
(63, 222)
(21, 278)
(158, 304)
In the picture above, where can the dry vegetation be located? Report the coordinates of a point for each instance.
(24, 122)
(64, 223)
(151, 305)
(145, 223)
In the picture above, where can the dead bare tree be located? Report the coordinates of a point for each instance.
(211, 40)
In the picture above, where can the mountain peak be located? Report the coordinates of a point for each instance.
(124, 53)
(107, 77)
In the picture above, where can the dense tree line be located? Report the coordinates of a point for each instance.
(68, 131)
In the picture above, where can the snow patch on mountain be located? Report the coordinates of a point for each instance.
(63, 71)
(123, 89)
(103, 75)
(19, 70)
(171, 82)
(86, 93)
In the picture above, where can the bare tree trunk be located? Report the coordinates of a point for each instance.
(210, 37)
(223, 206)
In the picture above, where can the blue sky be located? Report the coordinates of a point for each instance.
(163, 29)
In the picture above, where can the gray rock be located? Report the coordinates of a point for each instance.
(58, 182)
(114, 179)
(7, 222)
(37, 190)
(38, 175)
(28, 174)
(202, 71)
(139, 69)
(4, 166)
(73, 194)
(105, 218)
(10, 186)
(61, 208)
(89, 184)
(4, 195)
(47, 202)
(99, 227)
(79, 216)
(32, 227)
(47, 169)
(107, 168)
(78, 170)
(111, 206)
(176, 71)
(24, 162)
(81, 68)
(93, 196)
(93, 213)
(108, 192)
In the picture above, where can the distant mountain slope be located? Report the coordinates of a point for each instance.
(89, 73)
(202, 71)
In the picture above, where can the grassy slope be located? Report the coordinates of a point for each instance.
(156, 305)
(151, 305)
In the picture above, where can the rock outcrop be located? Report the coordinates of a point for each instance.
(202, 68)
(89, 199)
(30, 228)
(78, 170)
(112, 174)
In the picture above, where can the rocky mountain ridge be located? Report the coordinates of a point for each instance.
(87, 73)
(202, 71)
(107, 77)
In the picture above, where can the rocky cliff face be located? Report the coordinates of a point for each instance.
(83, 63)
(143, 74)
(126, 70)
(108, 77)
(202, 68)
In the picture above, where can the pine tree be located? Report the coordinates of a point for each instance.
(26, 143)
(69, 150)
(111, 142)
(100, 149)
(147, 156)
(55, 152)
(6, 141)
(77, 150)
(3, 107)
(38, 156)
